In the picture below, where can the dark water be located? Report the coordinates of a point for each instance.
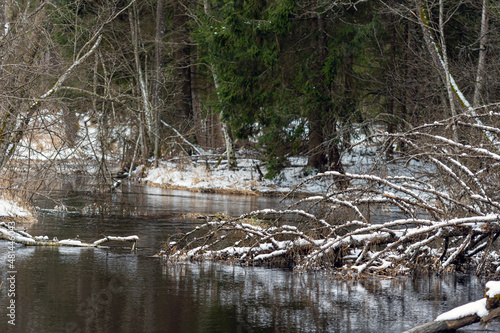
(114, 290)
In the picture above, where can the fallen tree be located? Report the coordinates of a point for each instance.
(434, 207)
(10, 233)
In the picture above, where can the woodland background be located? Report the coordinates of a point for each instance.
(284, 77)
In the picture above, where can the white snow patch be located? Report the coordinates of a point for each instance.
(477, 307)
(270, 255)
(124, 239)
(493, 288)
(12, 209)
(72, 242)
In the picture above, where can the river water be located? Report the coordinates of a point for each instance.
(67, 289)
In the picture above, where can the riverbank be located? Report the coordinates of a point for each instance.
(13, 210)
(210, 174)
(202, 175)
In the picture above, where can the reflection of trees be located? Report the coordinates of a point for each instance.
(277, 300)
(92, 290)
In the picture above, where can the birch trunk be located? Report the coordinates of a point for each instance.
(482, 55)
(230, 152)
(437, 57)
(447, 74)
(145, 116)
(158, 82)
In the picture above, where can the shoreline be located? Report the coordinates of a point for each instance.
(228, 191)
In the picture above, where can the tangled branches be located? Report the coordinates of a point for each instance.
(434, 206)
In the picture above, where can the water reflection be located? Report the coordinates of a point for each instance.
(96, 290)
(278, 301)
(139, 200)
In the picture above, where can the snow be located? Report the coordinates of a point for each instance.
(270, 255)
(204, 171)
(477, 307)
(492, 289)
(124, 239)
(12, 209)
(133, 238)
(205, 174)
(71, 242)
(199, 177)
(14, 235)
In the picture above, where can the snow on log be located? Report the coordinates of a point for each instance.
(133, 239)
(8, 232)
(482, 310)
(472, 308)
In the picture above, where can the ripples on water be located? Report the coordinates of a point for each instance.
(113, 290)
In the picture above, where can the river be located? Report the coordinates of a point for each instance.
(115, 290)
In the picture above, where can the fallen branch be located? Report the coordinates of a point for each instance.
(199, 150)
(441, 215)
(8, 232)
(444, 326)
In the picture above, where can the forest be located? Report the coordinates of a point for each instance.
(123, 83)
(286, 78)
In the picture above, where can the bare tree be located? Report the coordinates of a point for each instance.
(20, 110)
(439, 56)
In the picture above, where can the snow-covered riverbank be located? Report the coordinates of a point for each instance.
(204, 175)
(11, 210)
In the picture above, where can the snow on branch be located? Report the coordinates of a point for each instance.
(435, 207)
(8, 232)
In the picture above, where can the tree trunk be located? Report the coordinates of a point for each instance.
(447, 74)
(481, 65)
(317, 158)
(230, 152)
(145, 115)
(444, 326)
(441, 66)
(182, 62)
(200, 124)
(158, 81)
(317, 146)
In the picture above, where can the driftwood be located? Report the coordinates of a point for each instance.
(489, 311)
(445, 325)
(9, 232)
